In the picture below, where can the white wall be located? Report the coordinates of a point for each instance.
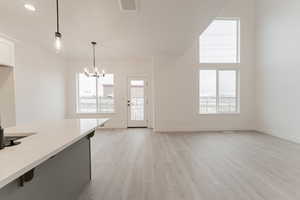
(121, 71)
(40, 84)
(278, 67)
(176, 83)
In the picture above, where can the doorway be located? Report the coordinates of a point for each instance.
(137, 102)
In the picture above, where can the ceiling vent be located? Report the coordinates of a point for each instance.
(128, 5)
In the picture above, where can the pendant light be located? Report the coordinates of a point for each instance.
(95, 73)
(57, 42)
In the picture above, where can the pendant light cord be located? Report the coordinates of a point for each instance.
(57, 16)
(94, 54)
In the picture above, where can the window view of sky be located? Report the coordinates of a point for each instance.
(95, 95)
(219, 42)
(208, 83)
(227, 83)
(218, 91)
(87, 85)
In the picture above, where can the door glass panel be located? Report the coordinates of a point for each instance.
(137, 83)
(137, 100)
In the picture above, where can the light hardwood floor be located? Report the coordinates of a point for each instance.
(137, 164)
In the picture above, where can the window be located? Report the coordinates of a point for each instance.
(218, 91)
(95, 95)
(219, 43)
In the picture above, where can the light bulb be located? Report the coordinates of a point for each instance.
(57, 43)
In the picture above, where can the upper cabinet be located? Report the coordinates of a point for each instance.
(7, 53)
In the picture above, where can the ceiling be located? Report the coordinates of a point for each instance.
(159, 27)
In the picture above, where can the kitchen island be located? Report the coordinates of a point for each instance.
(53, 161)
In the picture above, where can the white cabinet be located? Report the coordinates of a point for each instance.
(7, 53)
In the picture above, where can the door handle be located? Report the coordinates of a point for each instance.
(128, 103)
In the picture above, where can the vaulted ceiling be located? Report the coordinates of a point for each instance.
(159, 27)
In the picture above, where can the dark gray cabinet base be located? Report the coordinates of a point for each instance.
(60, 178)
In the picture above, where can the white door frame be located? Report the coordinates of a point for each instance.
(131, 123)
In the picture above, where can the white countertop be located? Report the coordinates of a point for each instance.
(45, 139)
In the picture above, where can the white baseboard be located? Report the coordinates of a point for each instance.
(202, 130)
(289, 139)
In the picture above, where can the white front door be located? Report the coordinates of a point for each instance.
(137, 102)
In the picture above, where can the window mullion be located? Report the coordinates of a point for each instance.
(217, 90)
(97, 98)
(238, 42)
(77, 93)
(237, 93)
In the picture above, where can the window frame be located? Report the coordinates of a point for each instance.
(238, 101)
(97, 98)
(238, 61)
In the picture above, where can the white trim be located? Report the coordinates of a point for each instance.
(239, 40)
(217, 91)
(97, 113)
(234, 113)
(97, 97)
(77, 92)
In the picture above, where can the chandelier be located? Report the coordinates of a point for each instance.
(95, 72)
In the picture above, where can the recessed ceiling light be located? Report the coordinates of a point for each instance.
(30, 7)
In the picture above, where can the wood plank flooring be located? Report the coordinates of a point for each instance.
(137, 164)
